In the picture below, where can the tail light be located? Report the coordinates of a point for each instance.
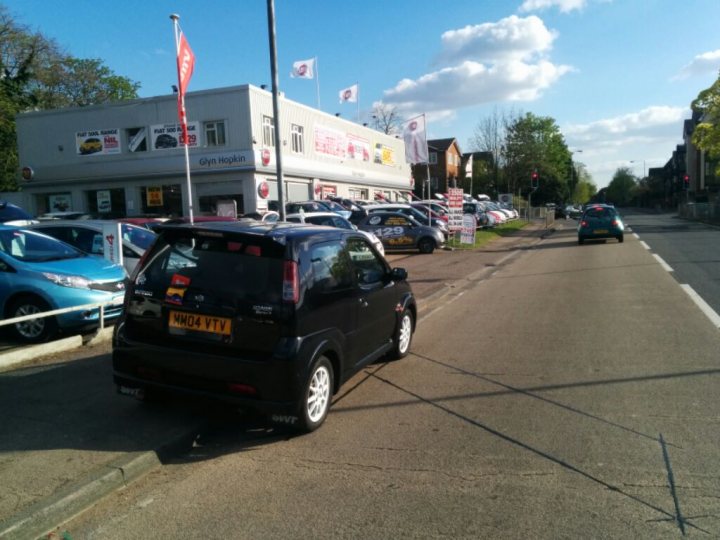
(240, 388)
(583, 223)
(291, 282)
(614, 223)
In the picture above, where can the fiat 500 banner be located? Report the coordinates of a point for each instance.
(165, 136)
(98, 141)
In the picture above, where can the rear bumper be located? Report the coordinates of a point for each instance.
(269, 386)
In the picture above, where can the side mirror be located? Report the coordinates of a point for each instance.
(398, 274)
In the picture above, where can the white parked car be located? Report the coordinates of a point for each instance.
(331, 219)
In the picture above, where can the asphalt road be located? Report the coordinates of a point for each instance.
(690, 248)
(568, 392)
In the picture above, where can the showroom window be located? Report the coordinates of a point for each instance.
(209, 203)
(136, 139)
(215, 133)
(106, 203)
(298, 139)
(268, 131)
(163, 200)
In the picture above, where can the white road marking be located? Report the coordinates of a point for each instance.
(643, 244)
(702, 304)
(665, 265)
(636, 236)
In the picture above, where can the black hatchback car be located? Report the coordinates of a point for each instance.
(273, 317)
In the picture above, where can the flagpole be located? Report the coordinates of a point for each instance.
(317, 80)
(181, 97)
(357, 85)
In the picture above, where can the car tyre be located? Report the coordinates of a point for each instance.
(316, 397)
(403, 336)
(580, 240)
(426, 245)
(621, 238)
(35, 330)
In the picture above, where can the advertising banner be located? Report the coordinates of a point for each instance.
(103, 201)
(455, 209)
(97, 142)
(112, 242)
(467, 232)
(165, 136)
(330, 142)
(384, 155)
(358, 148)
(60, 202)
(154, 196)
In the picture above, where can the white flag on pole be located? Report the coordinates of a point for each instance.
(349, 94)
(416, 150)
(303, 69)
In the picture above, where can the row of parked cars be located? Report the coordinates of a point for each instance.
(55, 261)
(270, 316)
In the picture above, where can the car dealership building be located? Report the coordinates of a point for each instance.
(127, 159)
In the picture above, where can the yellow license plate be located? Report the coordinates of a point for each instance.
(600, 231)
(200, 323)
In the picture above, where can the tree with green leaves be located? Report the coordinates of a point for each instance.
(36, 74)
(706, 135)
(584, 188)
(622, 189)
(534, 143)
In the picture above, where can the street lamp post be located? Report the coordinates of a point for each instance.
(573, 175)
(638, 161)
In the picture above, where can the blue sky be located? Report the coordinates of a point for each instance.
(618, 76)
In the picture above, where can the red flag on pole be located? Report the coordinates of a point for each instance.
(185, 65)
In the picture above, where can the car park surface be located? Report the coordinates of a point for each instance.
(39, 273)
(273, 317)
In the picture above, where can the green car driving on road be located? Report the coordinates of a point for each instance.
(600, 221)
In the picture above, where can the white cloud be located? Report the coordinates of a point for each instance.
(500, 61)
(707, 62)
(512, 38)
(647, 121)
(472, 83)
(649, 135)
(565, 6)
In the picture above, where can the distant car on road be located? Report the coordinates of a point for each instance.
(600, 221)
(40, 273)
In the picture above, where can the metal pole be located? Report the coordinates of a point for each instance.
(276, 108)
(175, 18)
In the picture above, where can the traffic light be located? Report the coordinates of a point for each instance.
(686, 181)
(534, 180)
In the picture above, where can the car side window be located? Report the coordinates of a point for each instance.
(369, 268)
(330, 268)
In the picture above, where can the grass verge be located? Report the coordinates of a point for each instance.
(484, 236)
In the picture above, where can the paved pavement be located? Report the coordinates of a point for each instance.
(68, 439)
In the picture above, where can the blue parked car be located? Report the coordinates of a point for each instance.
(39, 273)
